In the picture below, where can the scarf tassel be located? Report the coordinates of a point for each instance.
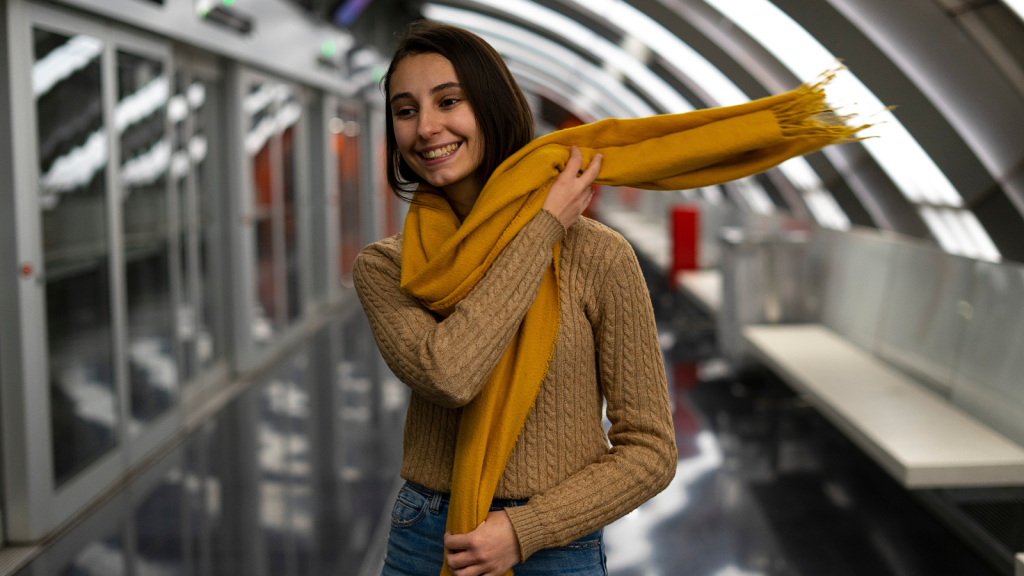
(808, 115)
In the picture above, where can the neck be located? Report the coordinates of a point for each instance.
(462, 195)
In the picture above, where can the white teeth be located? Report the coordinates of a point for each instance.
(431, 154)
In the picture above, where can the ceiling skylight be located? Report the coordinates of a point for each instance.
(667, 45)
(588, 41)
(896, 151)
(593, 84)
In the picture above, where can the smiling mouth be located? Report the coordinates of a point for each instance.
(441, 152)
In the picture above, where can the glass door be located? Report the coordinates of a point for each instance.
(273, 115)
(75, 224)
(96, 375)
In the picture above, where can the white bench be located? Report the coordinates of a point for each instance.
(913, 433)
(704, 287)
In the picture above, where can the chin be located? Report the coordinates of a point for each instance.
(442, 180)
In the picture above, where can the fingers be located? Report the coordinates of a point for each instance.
(474, 570)
(465, 563)
(459, 550)
(456, 541)
(460, 559)
(590, 174)
(575, 161)
(570, 193)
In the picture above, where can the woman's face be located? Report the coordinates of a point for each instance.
(434, 125)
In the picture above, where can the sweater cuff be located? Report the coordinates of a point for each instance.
(550, 227)
(529, 529)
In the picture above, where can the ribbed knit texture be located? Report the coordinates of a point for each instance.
(607, 348)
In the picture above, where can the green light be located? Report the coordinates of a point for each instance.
(328, 48)
(378, 72)
(228, 2)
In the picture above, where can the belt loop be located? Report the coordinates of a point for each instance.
(435, 503)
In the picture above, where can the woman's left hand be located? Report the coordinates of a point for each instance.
(489, 550)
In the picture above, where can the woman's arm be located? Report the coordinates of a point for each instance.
(642, 459)
(448, 360)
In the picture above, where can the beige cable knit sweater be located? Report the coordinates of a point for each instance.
(607, 348)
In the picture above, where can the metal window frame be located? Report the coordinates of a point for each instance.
(35, 506)
(320, 195)
(374, 166)
(334, 202)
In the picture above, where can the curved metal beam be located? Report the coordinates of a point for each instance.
(561, 67)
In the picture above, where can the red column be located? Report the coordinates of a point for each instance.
(685, 240)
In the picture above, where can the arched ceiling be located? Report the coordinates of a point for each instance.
(949, 161)
(946, 164)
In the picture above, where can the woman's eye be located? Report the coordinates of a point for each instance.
(405, 112)
(449, 102)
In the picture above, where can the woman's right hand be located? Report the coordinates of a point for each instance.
(571, 193)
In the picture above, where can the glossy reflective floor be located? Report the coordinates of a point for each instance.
(765, 486)
(295, 478)
(291, 478)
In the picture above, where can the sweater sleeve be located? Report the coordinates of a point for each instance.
(642, 458)
(448, 360)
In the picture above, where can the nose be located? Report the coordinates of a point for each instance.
(429, 124)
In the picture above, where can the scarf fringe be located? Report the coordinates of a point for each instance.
(808, 115)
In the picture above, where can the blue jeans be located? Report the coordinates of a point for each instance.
(416, 541)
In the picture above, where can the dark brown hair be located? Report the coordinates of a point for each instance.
(501, 110)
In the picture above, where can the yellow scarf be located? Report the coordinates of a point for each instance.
(443, 260)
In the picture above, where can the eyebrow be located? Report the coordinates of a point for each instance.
(433, 90)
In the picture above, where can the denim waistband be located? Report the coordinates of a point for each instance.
(444, 496)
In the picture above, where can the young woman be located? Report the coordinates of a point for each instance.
(455, 113)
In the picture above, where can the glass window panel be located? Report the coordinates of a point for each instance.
(194, 535)
(73, 156)
(187, 312)
(210, 335)
(145, 158)
(221, 451)
(104, 557)
(300, 461)
(856, 287)
(921, 330)
(158, 528)
(360, 454)
(273, 460)
(988, 382)
(346, 142)
(274, 112)
(177, 112)
(258, 144)
(290, 220)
